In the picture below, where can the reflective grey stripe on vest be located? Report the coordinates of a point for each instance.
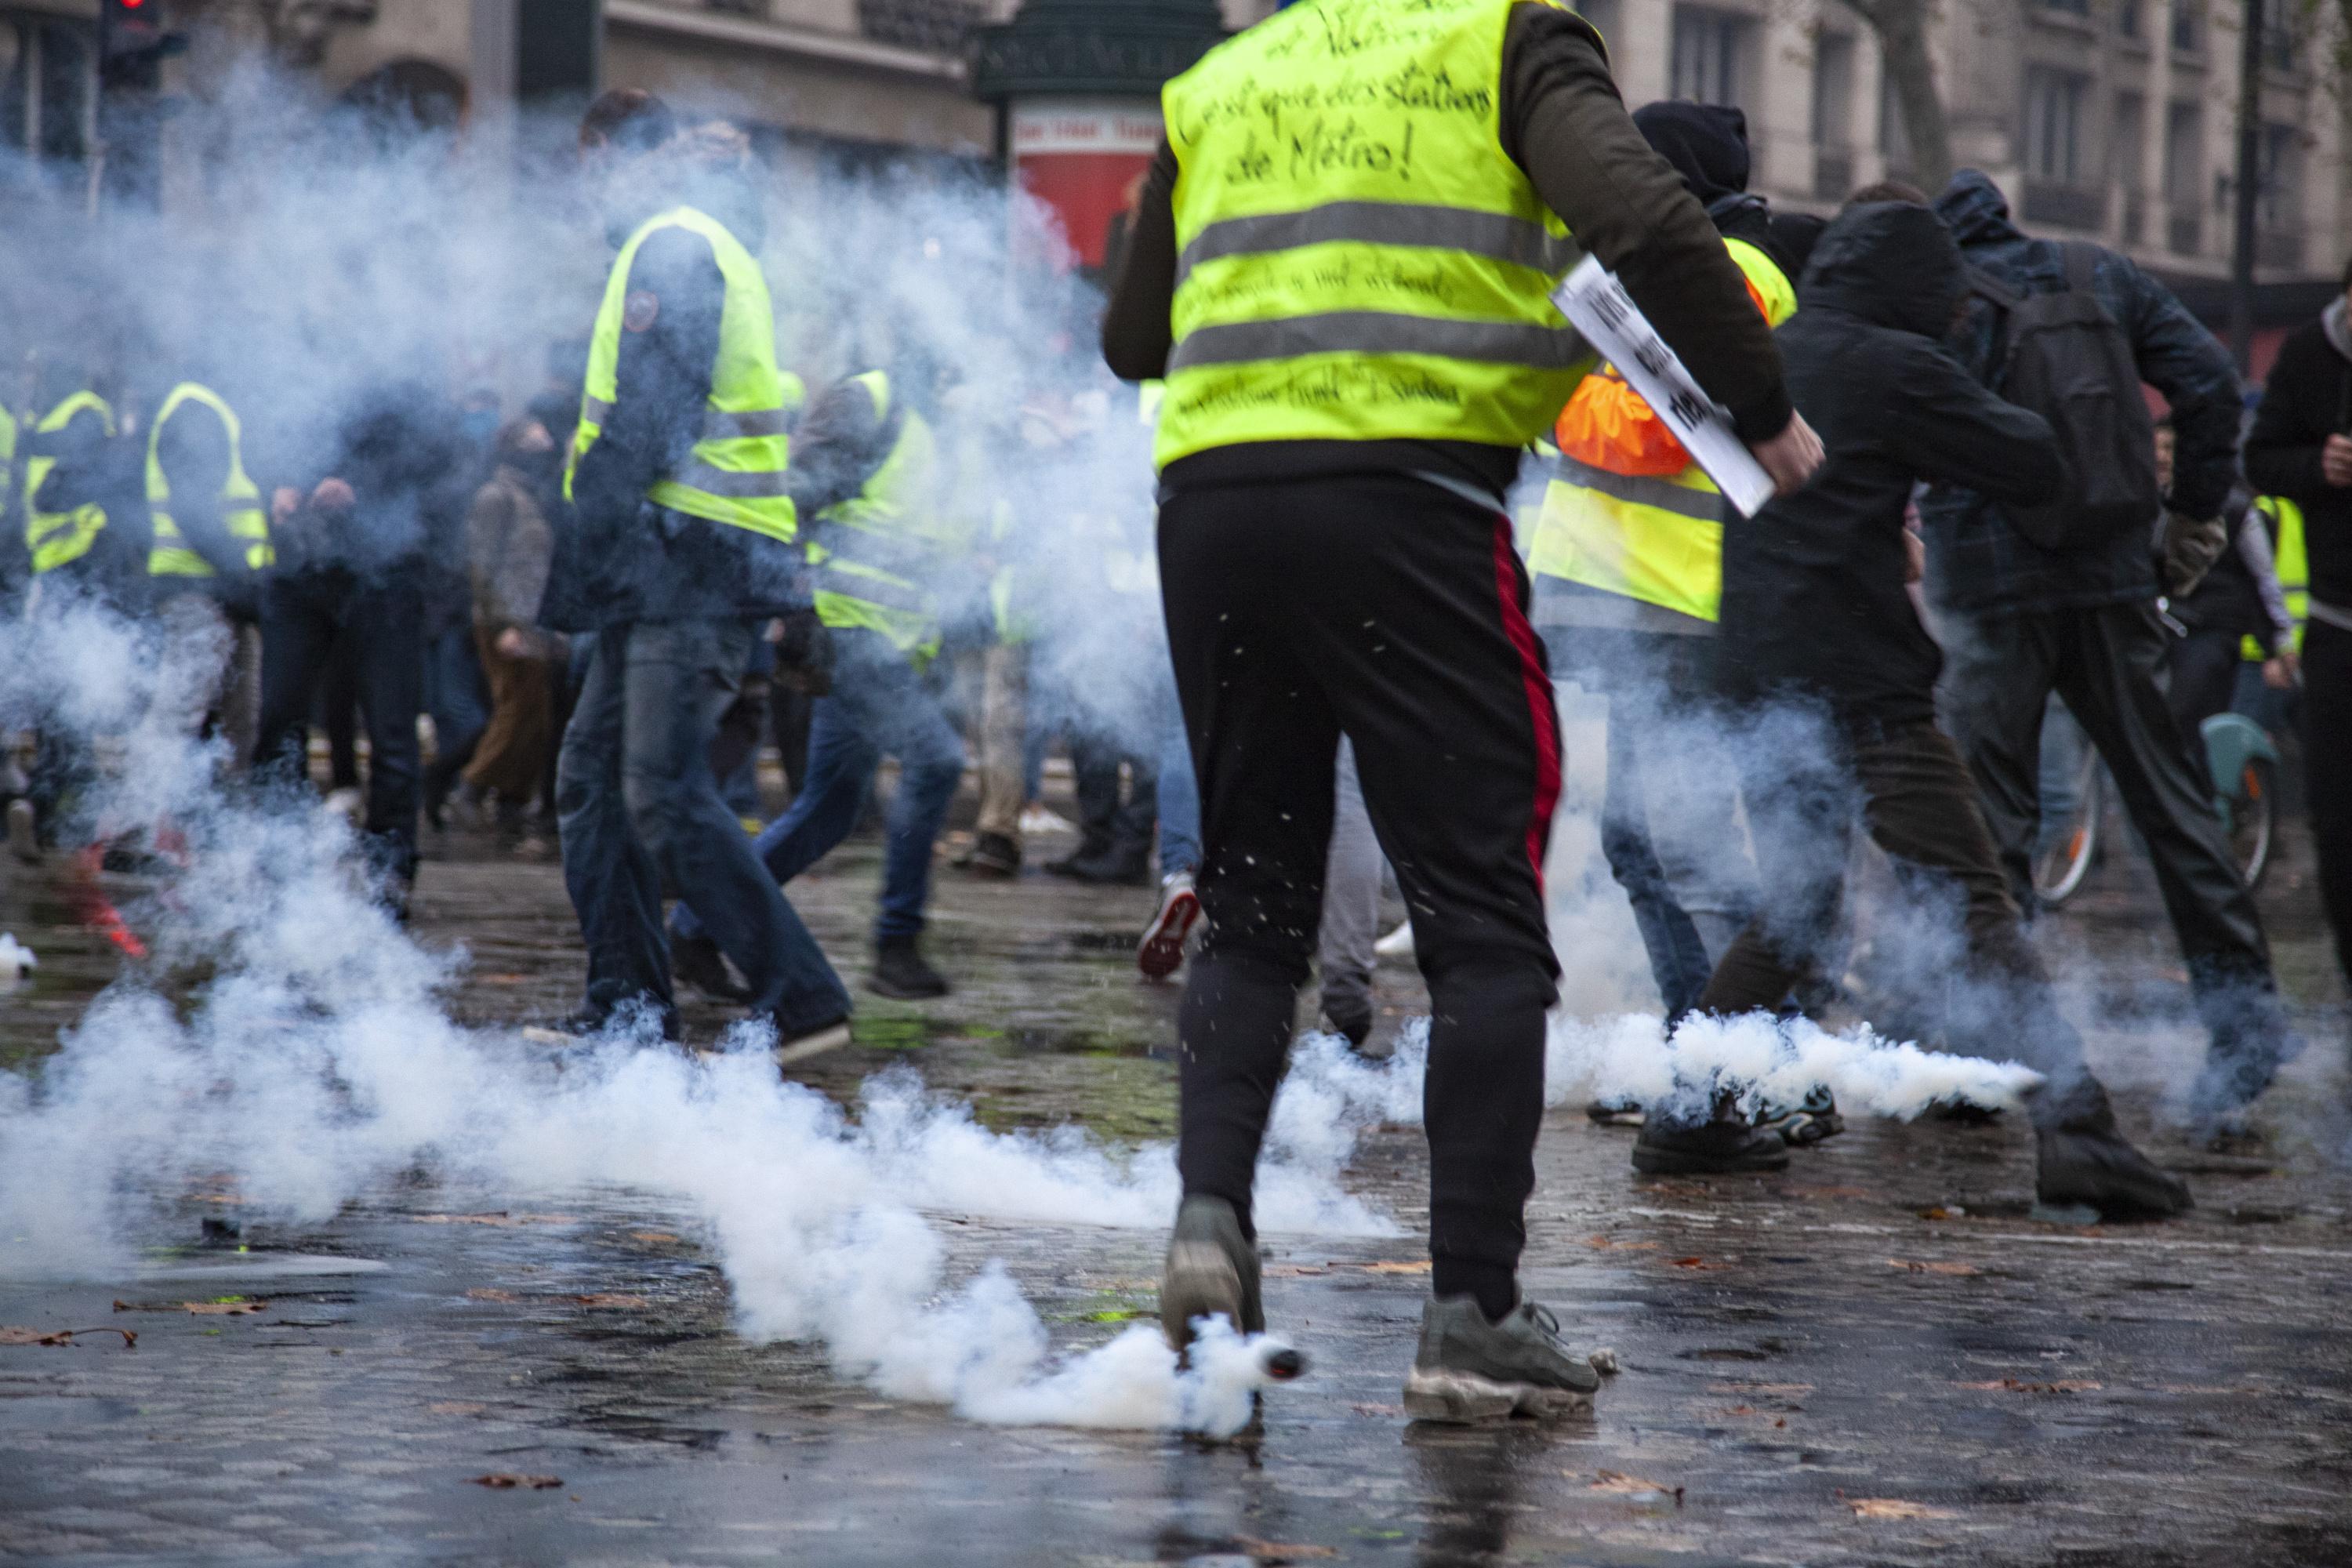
(1494, 235)
(717, 425)
(713, 481)
(1643, 490)
(594, 409)
(1379, 333)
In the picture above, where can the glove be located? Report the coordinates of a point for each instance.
(804, 654)
(2188, 549)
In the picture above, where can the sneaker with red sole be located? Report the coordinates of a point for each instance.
(1161, 951)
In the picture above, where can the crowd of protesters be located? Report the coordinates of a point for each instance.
(614, 599)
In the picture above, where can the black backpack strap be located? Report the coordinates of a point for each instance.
(1986, 286)
(2082, 265)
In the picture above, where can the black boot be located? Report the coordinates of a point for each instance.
(900, 972)
(697, 961)
(1719, 1147)
(2084, 1161)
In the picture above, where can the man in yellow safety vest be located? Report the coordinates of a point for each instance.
(1347, 286)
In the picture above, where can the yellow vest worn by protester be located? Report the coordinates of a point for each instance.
(1653, 540)
(240, 497)
(1358, 258)
(2291, 557)
(736, 472)
(871, 542)
(57, 538)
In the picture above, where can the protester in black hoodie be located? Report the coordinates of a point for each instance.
(1815, 616)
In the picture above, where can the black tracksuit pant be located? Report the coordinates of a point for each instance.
(1394, 611)
(2328, 764)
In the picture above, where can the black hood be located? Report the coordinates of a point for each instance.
(1893, 264)
(1705, 142)
(1975, 210)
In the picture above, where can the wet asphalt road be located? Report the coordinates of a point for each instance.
(1882, 1357)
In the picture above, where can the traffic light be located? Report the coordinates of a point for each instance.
(134, 37)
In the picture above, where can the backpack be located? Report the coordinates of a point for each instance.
(2062, 355)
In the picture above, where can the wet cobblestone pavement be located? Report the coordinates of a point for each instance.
(1883, 1356)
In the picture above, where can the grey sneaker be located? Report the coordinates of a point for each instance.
(1468, 1369)
(1211, 1269)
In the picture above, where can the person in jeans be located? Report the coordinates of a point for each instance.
(2020, 620)
(2299, 450)
(872, 555)
(1816, 616)
(685, 539)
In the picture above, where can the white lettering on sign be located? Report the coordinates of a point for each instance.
(1048, 127)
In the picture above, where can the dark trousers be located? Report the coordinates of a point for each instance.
(1394, 612)
(2105, 663)
(511, 754)
(1909, 787)
(638, 804)
(2328, 762)
(380, 624)
(1111, 826)
(2203, 678)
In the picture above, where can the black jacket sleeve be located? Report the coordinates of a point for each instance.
(1949, 429)
(1136, 334)
(2302, 400)
(1565, 125)
(669, 341)
(2183, 361)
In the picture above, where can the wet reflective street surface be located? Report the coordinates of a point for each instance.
(1883, 1356)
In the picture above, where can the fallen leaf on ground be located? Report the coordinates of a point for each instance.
(500, 1480)
(1915, 1266)
(1605, 1245)
(1634, 1486)
(1895, 1508)
(1939, 1212)
(1420, 1268)
(503, 979)
(16, 1336)
(1698, 1263)
(2014, 1385)
(601, 1298)
(1293, 1270)
(454, 1407)
(658, 1235)
(223, 1308)
(1281, 1552)
(487, 1294)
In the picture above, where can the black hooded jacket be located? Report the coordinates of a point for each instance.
(1813, 599)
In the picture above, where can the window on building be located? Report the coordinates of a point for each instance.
(2279, 207)
(2184, 155)
(1893, 139)
(2278, 40)
(2055, 147)
(2189, 25)
(2068, 7)
(1711, 55)
(1833, 89)
(2128, 20)
(2127, 148)
(47, 81)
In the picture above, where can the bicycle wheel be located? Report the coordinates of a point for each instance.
(2060, 872)
(2253, 816)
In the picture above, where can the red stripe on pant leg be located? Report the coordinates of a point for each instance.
(1537, 679)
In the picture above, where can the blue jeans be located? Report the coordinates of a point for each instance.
(1179, 796)
(638, 805)
(456, 693)
(878, 705)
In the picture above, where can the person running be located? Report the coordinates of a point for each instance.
(1356, 346)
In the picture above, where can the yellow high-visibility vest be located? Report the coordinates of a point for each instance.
(2292, 556)
(1657, 539)
(240, 497)
(57, 538)
(877, 534)
(736, 472)
(1358, 258)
